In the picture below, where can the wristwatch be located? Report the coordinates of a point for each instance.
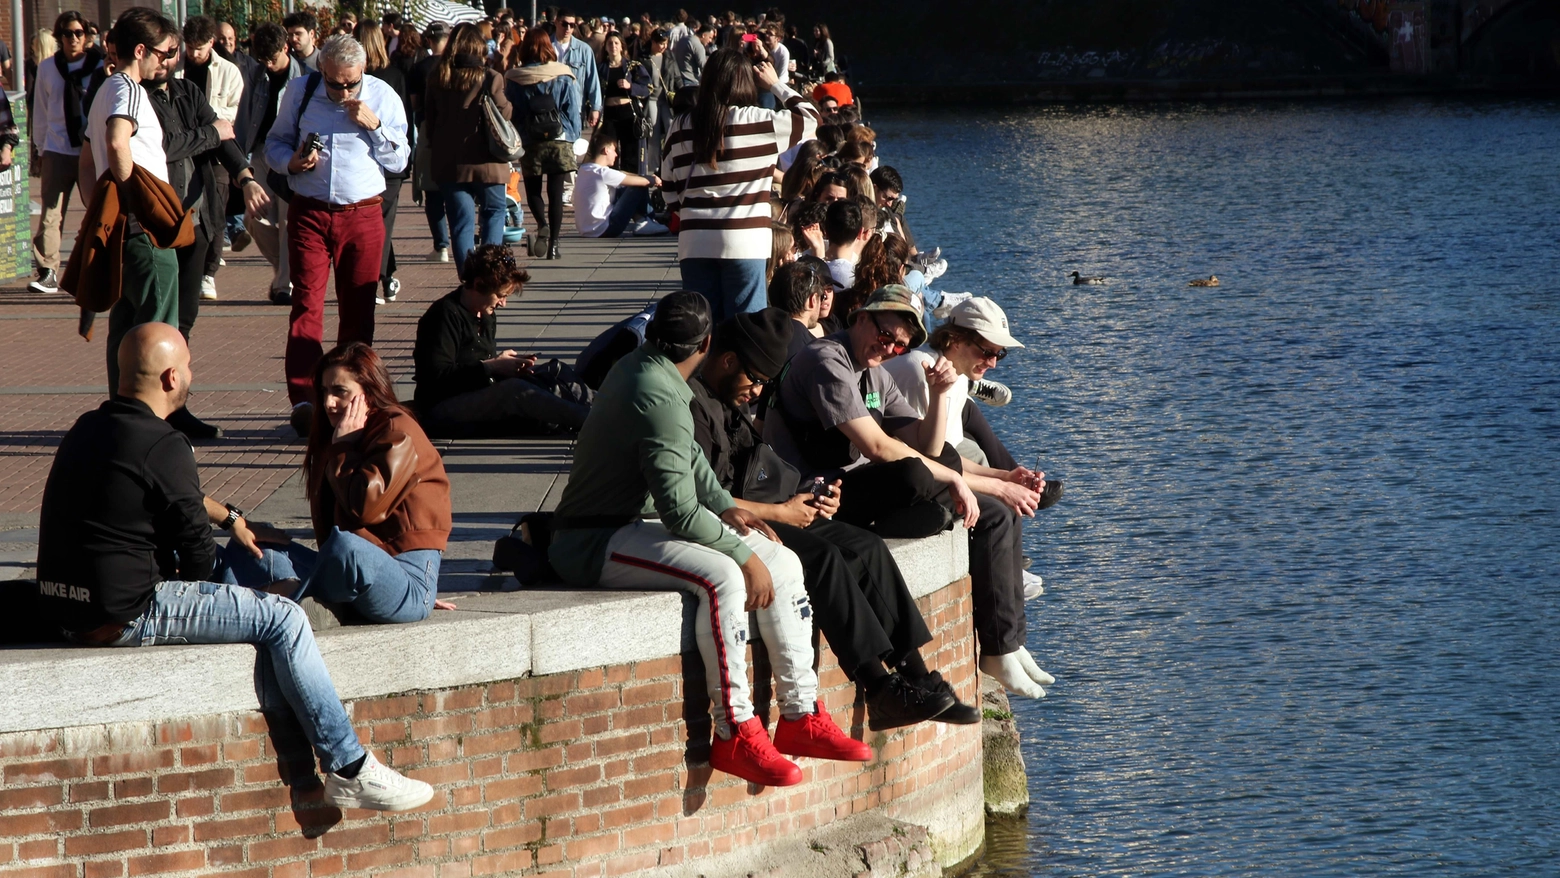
(234, 514)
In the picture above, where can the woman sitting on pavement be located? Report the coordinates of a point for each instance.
(465, 386)
(378, 497)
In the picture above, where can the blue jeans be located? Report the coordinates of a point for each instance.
(631, 201)
(733, 286)
(234, 226)
(433, 208)
(346, 570)
(462, 201)
(214, 612)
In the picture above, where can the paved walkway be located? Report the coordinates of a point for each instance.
(49, 376)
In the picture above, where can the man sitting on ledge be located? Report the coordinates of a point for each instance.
(642, 509)
(125, 554)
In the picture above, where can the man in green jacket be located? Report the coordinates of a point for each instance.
(643, 509)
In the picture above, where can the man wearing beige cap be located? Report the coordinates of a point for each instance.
(976, 338)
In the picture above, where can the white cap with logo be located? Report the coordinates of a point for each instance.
(985, 317)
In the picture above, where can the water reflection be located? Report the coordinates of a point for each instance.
(1303, 596)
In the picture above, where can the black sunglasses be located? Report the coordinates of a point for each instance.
(568, 24)
(986, 354)
(162, 55)
(74, 33)
(757, 382)
(343, 86)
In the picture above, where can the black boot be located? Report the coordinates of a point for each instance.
(193, 427)
(552, 249)
(539, 243)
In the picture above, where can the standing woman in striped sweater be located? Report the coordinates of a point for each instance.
(719, 168)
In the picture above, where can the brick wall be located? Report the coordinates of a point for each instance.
(593, 772)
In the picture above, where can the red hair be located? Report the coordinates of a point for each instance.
(537, 47)
(367, 369)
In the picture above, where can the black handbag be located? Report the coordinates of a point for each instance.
(278, 181)
(763, 476)
(524, 551)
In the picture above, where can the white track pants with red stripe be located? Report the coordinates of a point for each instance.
(645, 555)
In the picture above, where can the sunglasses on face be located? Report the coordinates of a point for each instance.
(344, 86)
(887, 339)
(754, 379)
(163, 55)
(985, 354)
(75, 34)
(566, 25)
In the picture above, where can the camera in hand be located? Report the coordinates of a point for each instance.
(312, 143)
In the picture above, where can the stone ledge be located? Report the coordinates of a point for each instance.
(493, 636)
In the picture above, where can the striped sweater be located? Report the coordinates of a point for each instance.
(724, 210)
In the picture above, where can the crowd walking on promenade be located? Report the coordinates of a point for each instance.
(751, 439)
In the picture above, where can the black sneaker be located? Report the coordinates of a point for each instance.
(47, 282)
(958, 713)
(897, 703)
(281, 297)
(302, 419)
(193, 427)
(1051, 494)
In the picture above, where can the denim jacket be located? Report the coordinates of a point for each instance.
(550, 78)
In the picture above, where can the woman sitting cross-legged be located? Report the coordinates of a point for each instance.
(465, 386)
(378, 497)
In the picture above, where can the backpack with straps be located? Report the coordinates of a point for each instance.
(543, 119)
(280, 185)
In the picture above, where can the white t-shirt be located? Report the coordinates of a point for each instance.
(843, 272)
(593, 198)
(909, 375)
(121, 96)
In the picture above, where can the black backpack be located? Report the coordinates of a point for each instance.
(543, 121)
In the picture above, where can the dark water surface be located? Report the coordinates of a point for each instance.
(1303, 593)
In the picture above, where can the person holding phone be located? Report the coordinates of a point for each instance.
(334, 217)
(379, 500)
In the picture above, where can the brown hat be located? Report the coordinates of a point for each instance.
(901, 299)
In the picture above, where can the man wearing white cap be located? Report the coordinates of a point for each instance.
(973, 341)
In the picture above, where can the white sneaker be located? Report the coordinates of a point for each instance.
(376, 788)
(208, 287)
(992, 393)
(935, 270)
(440, 254)
(650, 227)
(1034, 586)
(221, 261)
(1005, 669)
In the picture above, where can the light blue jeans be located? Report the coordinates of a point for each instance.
(216, 612)
(733, 286)
(346, 570)
(467, 205)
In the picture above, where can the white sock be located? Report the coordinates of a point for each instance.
(1009, 671)
(1032, 669)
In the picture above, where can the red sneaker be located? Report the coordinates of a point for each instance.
(815, 734)
(750, 756)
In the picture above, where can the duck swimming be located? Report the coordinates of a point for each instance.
(1085, 279)
(1211, 280)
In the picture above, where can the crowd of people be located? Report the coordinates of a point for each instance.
(751, 439)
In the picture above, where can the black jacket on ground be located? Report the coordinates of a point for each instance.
(122, 511)
(451, 345)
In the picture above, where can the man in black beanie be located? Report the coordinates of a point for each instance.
(862, 604)
(642, 509)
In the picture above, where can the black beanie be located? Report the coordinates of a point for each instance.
(761, 340)
(680, 318)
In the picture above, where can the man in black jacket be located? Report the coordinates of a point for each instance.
(126, 558)
(860, 601)
(195, 140)
(465, 386)
(250, 108)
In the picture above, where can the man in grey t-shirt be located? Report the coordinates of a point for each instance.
(838, 412)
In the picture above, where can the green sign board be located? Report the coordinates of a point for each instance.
(16, 204)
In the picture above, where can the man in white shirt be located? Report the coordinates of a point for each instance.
(596, 214)
(123, 132)
(58, 97)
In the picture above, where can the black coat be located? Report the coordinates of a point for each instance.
(251, 107)
(194, 148)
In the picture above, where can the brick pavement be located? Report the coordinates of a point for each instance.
(49, 375)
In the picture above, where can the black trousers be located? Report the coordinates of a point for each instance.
(387, 209)
(627, 129)
(192, 268)
(860, 601)
(901, 499)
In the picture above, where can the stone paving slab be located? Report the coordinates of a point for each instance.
(49, 375)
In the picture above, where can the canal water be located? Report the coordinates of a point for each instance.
(1303, 592)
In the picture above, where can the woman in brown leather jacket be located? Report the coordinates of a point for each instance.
(378, 496)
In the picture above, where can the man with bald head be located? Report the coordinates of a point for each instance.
(126, 558)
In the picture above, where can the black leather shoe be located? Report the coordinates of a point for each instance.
(280, 297)
(1051, 494)
(193, 427)
(895, 703)
(958, 713)
(552, 249)
(302, 419)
